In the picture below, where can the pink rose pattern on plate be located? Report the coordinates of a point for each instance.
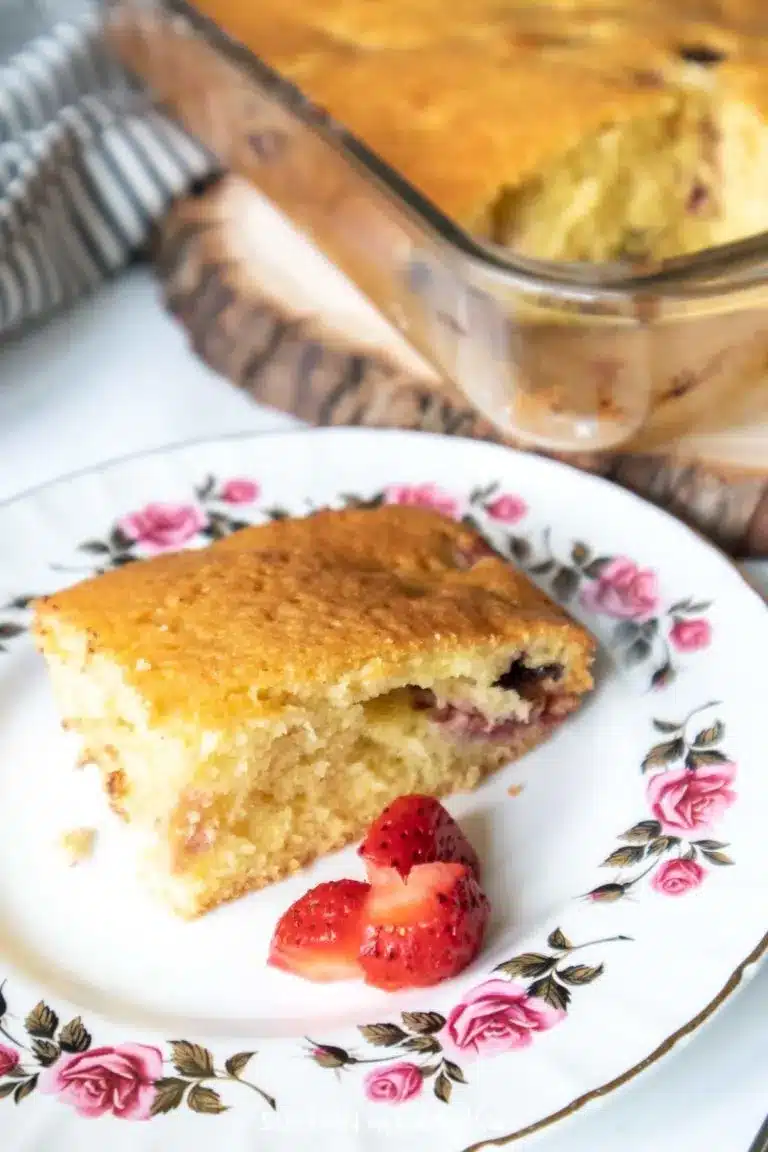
(691, 635)
(689, 788)
(496, 1017)
(645, 633)
(525, 996)
(119, 1080)
(239, 491)
(162, 527)
(623, 590)
(423, 496)
(507, 509)
(676, 877)
(128, 1081)
(691, 799)
(688, 791)
(394, 1083)
(156, 528)
(9, 1059)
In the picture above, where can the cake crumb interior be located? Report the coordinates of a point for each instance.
(222, 806)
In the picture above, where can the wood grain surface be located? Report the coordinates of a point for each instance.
(266, 310)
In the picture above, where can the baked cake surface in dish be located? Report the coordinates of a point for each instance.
(255, 704)
(568, 131)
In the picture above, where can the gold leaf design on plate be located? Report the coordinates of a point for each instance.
(664, 753)
(641, 833)
(680, 605)
(46, 1052)
(424, 1044)
(520, 548)
(74, 1037)
(638, 651)
(697, 758)
(41, 1021)
(118, 540)
(662, 844)
(481, 494)
(666, 726)
(201, 1099)
(711, 735)
(205, 489)
(94, 547)
(595, 567)
(26, 1088)
(548, 989)
(559, 940)
(169, 1093)
(7, 1089)
(581, 973)
(382, 1035)
(423, 1021)
(528, 965)
(443, 1088)
(191, 1059)
(454, 1072)
(428, 1070)
(715, 856)
(236, 1064)
(579, 553)
(625, 856)
(565, 583)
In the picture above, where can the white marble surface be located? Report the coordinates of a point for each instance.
(114, 377)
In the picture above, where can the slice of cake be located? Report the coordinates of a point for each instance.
(257, 703)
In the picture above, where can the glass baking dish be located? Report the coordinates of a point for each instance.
(565, 357)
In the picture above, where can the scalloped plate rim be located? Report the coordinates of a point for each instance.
(745, 969)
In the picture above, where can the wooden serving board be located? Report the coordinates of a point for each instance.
(266, 309)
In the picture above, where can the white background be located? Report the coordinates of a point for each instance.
(115, 376)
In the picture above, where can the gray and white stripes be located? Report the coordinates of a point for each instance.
(87, 166)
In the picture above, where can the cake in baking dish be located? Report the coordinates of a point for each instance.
(257, 703)
(624, 130)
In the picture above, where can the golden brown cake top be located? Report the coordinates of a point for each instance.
(470, 97)
(294, 606)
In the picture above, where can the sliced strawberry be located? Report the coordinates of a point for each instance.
(424, 928)
(415, 830)
(319, 936)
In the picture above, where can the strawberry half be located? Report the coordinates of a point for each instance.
(422, 929)
(319, 936)
(415, 830)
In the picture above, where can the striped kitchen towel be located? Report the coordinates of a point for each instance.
(87, 166)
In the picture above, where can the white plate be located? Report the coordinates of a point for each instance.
(625, 859)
